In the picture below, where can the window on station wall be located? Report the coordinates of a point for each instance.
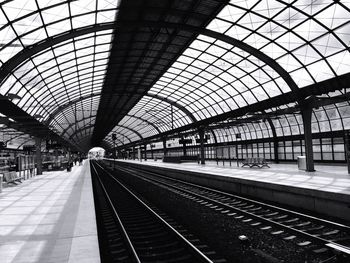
(297, 149)
(281, 151)
(327, 149)
(255, 149)
(261, 150)
(288, 150)
(338, 149)
(317, 149)
(249, 150)
(233, 152)
(269, 151)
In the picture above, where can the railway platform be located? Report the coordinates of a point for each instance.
(49, 218)
(325, 191)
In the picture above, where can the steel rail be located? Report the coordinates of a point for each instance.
(198, 253)
(126, 236)
(323, 221)
(306, 235)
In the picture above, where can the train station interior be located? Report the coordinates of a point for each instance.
(175, 131)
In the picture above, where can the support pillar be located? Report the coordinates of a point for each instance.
(39, 161)
(347, 148)
(306, 112)
(165, 150)
(184, 149)
(69, 164)
(275, 150)
(201, 139)
(145, 147)
(133, 153)
(139, 153)
(275, 141)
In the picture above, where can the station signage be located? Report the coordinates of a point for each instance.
(206, 138)
(52, 144)
(185, 141)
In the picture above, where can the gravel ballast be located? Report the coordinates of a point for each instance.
(221, 231)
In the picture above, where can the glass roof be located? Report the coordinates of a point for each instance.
(309, 39)
(151, 112)
(212, 77)
(61, 85)
(14, 139)
(54, 80)
(76, 116)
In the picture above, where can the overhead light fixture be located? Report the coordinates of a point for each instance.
(13, 96)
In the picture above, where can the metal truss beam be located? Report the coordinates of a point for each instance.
(68, 104)
(71, 125)
(175, 104)
(132, 130)
(230, 40)
(31, 50)
(28, 124)
(119, 139)
(324, 87)
(202, 31)
(294, 96)
(146, 121)
(80, 130)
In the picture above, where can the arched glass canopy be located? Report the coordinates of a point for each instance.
(309, 40)
(53, 83)
(251, 52)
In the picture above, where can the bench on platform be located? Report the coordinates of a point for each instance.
(12, 177)
(255, 161)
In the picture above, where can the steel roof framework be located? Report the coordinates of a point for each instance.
(248, 57)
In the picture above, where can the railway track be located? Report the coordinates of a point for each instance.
(315, 234)
(131, 231)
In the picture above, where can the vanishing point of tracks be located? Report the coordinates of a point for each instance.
(130, 231)
(317, 235)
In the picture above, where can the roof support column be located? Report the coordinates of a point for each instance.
(133, 153)
(145, 150)
(201, 140)
(306, 112)
(39, 161)
(275, 150)
(152, 151)
(164, 146)
(69, 163)
(184, 149)
(347, 148)
(275, 141)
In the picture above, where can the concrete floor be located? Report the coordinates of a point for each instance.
(49, 218)
(329, 178)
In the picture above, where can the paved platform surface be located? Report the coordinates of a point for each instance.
(329, 178)
(49, 218)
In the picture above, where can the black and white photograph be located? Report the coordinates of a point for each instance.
(175, 131)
